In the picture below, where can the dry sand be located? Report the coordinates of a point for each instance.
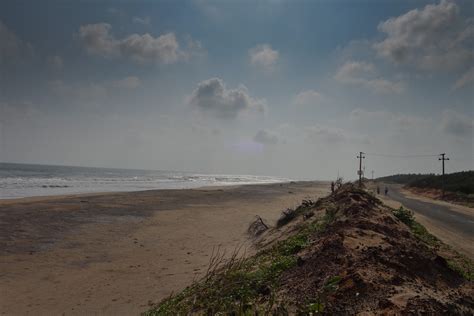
(114, 253)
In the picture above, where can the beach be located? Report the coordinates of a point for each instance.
(117, 253)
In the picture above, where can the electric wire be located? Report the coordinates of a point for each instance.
(402, 156)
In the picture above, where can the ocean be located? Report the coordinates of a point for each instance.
(26, 180)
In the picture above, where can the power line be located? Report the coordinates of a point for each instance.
(400, 156)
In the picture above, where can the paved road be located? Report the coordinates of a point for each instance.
(445, 216)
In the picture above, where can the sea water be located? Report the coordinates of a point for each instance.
(26, 180)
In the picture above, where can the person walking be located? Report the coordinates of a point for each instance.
(378, 190)
(386, 190)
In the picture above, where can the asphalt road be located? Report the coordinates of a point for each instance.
(445, 216)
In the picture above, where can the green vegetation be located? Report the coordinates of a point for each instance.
(236, 286)
(461, 264)
(459, 182)
(404, 178)
(253, 285)
(406, 216)
(290, 214)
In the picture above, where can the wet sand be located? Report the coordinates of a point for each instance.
(115, 253)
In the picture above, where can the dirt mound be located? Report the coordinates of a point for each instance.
(353, 255)
(368, 260)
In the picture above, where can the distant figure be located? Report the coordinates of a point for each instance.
(386, 191)
(378, 190)
(332, 187)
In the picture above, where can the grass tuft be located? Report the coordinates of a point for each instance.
(241, 285)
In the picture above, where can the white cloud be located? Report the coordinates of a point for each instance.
(212, 96)
(466, 79)
(11, 47)
(365, 74)
(435, 37)
(352, 71)
(263, 56)
(266, 137)
(457, 124)
(97, 40)
(55, 62)
(308, 97)
(144, 48)
(143, 21)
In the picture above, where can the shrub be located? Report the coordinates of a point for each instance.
(405, 215)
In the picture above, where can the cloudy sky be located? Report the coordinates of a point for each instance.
(284, 88)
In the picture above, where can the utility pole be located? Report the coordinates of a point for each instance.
(361, 156)
(373, 174)
(443, 159)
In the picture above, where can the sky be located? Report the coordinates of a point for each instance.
(272, 87)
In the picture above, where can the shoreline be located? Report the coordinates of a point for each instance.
(113, 253)
(86, 194)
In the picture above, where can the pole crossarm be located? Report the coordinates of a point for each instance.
(361, 156)
(443, 158)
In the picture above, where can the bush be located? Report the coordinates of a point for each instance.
(405, 215)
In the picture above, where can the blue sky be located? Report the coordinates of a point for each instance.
(289, 88)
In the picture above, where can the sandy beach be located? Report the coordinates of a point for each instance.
(116, 253)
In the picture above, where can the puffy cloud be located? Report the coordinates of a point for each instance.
(365, 74)
(457, 124)
(351, 71)
(307, 97)
(144, 48)
(435, 37)
(11, 47)
(97, 40)
(263, 56)
(212, 96)
(466, 79)
(266, 137)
